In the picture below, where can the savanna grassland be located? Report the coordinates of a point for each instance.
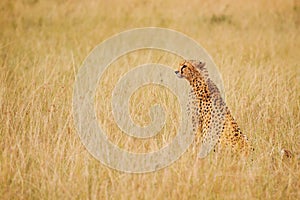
(255, 44)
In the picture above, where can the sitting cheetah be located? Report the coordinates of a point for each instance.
(212, 120)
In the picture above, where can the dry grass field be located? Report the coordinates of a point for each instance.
(255, 44)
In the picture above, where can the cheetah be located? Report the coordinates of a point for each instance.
(214, 126)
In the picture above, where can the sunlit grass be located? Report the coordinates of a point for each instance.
(256, 46)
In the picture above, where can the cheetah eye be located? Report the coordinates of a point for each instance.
(184, 66)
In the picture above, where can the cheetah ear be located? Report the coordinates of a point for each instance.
(200, 65)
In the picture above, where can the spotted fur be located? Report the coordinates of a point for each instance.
(213, 123)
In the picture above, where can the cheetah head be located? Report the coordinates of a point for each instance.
(188, 69)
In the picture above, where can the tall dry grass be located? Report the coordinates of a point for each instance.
(42, 45)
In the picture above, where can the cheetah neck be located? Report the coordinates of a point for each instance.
(199, 85)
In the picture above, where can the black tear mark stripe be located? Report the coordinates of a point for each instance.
(184, 66)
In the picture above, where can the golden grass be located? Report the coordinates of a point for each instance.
(42, 45)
